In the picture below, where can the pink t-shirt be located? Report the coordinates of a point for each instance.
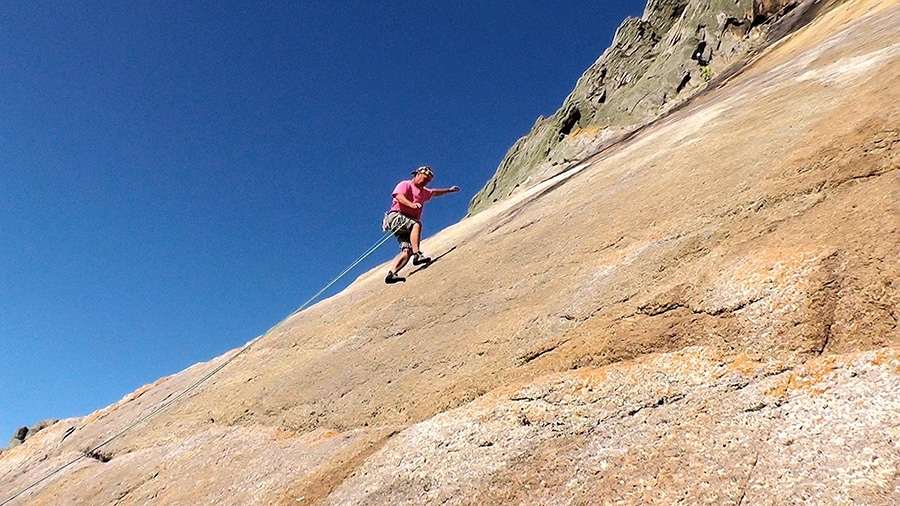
(413, 194)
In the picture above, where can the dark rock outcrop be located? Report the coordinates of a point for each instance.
(23, 433)
(18, 437)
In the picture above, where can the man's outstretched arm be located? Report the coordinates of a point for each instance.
(437, 192)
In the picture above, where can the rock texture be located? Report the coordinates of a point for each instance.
(22, 433)
(654, 64)
(706, 312)
(691, 426)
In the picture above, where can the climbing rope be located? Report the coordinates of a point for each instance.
(93, 452)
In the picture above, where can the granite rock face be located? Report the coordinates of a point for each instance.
(691, 426)
(655, 63)
(705, 312)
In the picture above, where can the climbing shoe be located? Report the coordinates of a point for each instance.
(393, 278)
(419, 259)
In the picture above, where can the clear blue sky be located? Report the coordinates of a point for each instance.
(177, 177)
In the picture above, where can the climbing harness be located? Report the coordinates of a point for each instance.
(94, 452)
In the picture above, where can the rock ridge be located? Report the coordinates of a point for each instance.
(655, 63)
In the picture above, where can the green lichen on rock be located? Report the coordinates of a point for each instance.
(654, 63)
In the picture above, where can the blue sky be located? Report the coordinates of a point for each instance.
(177, 177)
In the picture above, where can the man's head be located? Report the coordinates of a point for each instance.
(422, 176)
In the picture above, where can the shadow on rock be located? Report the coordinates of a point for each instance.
(433, 261)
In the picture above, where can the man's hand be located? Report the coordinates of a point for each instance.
(453, 189)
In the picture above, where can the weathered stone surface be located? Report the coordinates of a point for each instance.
(41, 426)
(691, 426)
(706, 312)
(651, 67)
(22, 433)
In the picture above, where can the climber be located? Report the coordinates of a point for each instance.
(703, 55)
(404, 219)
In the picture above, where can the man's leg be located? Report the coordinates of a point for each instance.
(415, 236)
(400, 261)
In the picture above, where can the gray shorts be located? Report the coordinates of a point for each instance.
(401, 225)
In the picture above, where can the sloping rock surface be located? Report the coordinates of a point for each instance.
(690, 426)
(655, 63)
(704, 313)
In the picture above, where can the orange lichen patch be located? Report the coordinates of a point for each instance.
(792, 383)
(500, 393)
(592, 131)
(684, 363)
(780, 389)
(811, 381)
(97, 415)
(808, 379)
(281, 434)
(745, 364)
(687, 365)
(886, 355)
(664, 392)
(315, 435)
(596, 375)
(141, 391)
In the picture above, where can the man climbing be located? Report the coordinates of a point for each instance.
(404, 218)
